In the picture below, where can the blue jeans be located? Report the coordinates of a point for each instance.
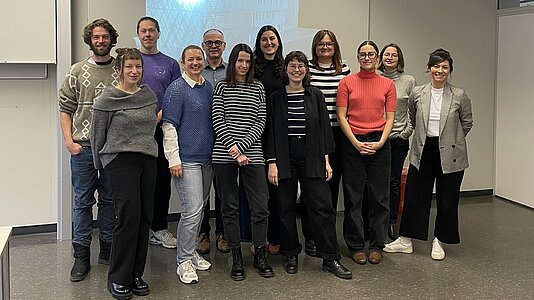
(85, 181)
(193, 191)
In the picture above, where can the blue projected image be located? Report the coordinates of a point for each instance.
(183, 22)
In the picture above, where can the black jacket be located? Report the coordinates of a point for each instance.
(319, 138)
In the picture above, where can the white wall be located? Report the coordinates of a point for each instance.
(467, 30)
(31, 157)
(514, 162)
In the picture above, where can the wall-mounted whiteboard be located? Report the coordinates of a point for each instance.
(28, 32)
(514, 159)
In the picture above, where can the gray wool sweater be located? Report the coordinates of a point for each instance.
(123, 122)
(404, 84)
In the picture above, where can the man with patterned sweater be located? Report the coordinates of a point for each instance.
(83, 83)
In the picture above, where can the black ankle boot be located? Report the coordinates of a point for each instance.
(105, 251)
(82, 263)
(238, 271)
(261, 264)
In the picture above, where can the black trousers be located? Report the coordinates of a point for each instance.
(317, 203)
(358, 168)
(132, 180)
(335, 164)
(162, 192)
(399, 151)
(254, 183)
(418, 198)
(275, 225)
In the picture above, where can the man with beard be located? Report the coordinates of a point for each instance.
(83, 83)
(159, 72)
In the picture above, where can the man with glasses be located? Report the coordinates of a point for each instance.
(215, 70)
(160, 71)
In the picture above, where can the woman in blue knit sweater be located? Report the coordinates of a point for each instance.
(188, 142)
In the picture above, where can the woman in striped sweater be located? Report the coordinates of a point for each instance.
(326, 71)
(238, 120)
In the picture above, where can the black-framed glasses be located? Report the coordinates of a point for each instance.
(327, 44)
(363, 55)
(216, 43)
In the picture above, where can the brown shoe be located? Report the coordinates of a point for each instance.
(274, 249)
(222, 245)
(203, 243)
(359, 257)
(375, 257)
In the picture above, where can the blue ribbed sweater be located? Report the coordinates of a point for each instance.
(188, 109)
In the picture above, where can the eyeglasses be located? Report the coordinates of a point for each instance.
(363, 55)
(327, 45)
(216, 43)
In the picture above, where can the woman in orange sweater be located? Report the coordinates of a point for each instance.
(363, 99)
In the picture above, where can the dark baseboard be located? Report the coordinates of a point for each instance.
(32, 229)
(476, 193)
(174, 217)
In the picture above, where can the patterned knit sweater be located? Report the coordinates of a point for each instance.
(84, 82)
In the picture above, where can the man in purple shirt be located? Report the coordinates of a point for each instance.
(159, 72)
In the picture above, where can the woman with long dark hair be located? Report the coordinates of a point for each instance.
(269, 70)
(239, 121)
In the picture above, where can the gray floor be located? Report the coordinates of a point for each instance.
(493, 261)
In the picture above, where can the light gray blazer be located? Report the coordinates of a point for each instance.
(456, 120)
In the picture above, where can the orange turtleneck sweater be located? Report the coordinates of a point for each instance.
(367, 96)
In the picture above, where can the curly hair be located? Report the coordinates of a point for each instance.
(88, 31)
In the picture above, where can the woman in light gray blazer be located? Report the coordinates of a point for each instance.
(441, 116)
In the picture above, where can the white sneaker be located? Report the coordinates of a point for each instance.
(163, 237)
(400, 245)
(187, 272)
(437, 250)
(200, 263)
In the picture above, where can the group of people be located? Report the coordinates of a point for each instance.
(259, 127)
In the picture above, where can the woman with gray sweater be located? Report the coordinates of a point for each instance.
(124, 121)
(392, 67)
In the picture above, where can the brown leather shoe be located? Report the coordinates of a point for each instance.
(203, 243)
(375, 257)
(274, 249)
(222, 244)
(359, 257)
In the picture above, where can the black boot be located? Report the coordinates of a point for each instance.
(82, 263)
(238, 271)
(337, 268)
(261, 264)
(105, 251)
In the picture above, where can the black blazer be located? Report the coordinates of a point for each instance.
(319, 138)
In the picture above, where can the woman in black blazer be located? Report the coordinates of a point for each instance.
(297, 142)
